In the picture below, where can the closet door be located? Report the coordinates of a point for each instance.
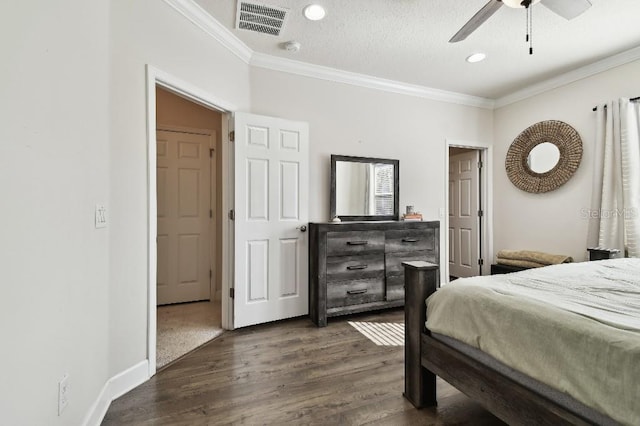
(183, 193)
(463, 214)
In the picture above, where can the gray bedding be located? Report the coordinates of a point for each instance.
(573, 327)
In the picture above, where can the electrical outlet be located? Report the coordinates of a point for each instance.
(101, 216)
(63, 393)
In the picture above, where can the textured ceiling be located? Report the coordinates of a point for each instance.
(407, 40)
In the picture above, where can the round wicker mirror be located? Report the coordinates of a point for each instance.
(563, 136)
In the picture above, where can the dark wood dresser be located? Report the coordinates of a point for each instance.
(357, 266)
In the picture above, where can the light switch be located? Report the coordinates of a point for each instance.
(101, 216)
(441, 212)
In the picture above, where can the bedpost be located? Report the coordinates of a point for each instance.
(420, 281)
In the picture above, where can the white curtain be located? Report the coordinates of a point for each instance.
(615, 202)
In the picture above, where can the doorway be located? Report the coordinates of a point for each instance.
(228, 173)
(157, 78)
(467, 219)
(188, 227)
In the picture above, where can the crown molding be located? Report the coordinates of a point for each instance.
(202, 19)
(198, 16)
(570, 77)
(339, 76)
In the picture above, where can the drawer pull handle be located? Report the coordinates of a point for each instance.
(363, 291)
(357, 243)
(410, 240)
(356, 267)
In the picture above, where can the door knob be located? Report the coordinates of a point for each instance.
(302, 228)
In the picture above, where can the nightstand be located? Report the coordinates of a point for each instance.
(505, 269)
(600, 253)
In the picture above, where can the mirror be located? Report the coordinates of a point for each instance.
(364, 188)
(543, 157)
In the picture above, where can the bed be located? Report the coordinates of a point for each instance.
(553, 345)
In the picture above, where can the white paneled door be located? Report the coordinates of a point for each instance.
(271, 214)
(183, 176)
(463, 214)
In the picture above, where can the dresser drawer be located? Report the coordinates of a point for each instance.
(393, 261)
(395, 287)
(355, 242)
(342, 268)
(395, 270)
(344, 293)
(410, 240)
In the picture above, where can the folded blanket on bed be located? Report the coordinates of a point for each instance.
(534, 256)
(515, 262)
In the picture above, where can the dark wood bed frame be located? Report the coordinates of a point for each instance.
(426, 358)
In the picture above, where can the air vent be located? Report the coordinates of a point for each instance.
(261, 18)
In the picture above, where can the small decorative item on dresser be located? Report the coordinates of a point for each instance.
(412, 215)
(601, 253)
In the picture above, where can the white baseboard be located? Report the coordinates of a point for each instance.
(115, 387)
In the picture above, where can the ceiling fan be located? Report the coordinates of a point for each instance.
(568, 9)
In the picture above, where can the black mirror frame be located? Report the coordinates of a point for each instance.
(396, 187)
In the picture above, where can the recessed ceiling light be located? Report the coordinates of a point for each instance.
(476, 57)
(314, 12)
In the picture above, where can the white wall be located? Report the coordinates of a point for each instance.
(350, 120)
(54, 162)
(553, 222)
(148, 32)
(73, 134)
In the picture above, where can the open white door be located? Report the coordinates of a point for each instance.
(463, 214)
(271, 214)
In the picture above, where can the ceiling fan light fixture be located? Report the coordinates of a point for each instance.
(476, 57)
(314, 12)
(517, 3)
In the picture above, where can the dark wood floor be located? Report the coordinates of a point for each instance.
(290, 372)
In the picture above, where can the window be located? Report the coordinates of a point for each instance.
(383, 190)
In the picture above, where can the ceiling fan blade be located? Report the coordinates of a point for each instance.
(568, 9)
(477, 20)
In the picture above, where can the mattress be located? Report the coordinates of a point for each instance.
(573, 327)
